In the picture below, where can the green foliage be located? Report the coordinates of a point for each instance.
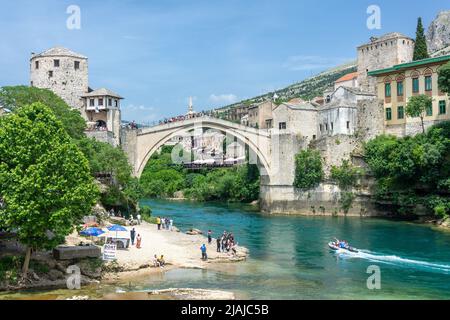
(308, 169)
(104, 158)
(420, 47)
(346, 201)
(146, 213)
(162, 179)
(16, 97)
(444, 78)
(44, 178)
(417, 107)
(412, 170)
(346, 175)
(10, 269)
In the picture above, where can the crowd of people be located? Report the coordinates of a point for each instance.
(164, 223)
(226, 243)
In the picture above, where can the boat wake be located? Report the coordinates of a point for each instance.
(397, 261)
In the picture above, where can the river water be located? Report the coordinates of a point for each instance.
(289, 257)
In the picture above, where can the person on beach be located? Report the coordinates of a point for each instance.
(132, 236)
(171, 224)
(161, 261)
(209, 237)
(139, 218)
(204, 255)
(158, 222)
(156, 261)
(138, 241)
(218, 244)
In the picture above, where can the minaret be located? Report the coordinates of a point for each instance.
(191, 107)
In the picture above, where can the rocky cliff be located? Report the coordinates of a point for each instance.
(438, 35)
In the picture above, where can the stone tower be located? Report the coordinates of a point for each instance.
(384, 52)
(64, 72)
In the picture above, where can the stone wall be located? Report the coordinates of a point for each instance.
(103, 136)
(334, 149)
(370, 118)
(323, 200)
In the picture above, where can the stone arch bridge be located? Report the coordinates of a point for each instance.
(271, 150)
(141, 144)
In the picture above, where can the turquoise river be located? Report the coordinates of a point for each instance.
(289, 257)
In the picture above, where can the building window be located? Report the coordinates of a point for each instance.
(36, 65)
(400, 112)
(92, 102)
(100, 102)
(56, 63)
(429, 111)
(387, 90)
(110, 102)
(428, 83)
(348, 124)
(442, 107)
(332, 126)
(50, 74)
(116, 102)
(77, 65)
(400, 88)
(326, 126)
(388, 114)
(320, 128)
(415, 85)
(282, 125)
(314, 137)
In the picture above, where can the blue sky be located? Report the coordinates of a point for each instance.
(158, 53)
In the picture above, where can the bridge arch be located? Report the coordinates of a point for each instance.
(149, 140)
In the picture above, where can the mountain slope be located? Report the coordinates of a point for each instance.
(306, 89)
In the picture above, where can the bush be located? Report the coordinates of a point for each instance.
(412, 170)
(346, 176)
(308, 169)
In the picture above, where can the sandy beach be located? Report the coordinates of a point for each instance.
(180, 250)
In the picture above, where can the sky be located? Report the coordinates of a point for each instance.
(157, 54)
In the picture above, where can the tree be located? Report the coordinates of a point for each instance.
(45, 181)
(444, 78)
(417, 106)
(308, 169)
(420, 47)
(19, 96)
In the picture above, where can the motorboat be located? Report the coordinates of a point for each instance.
(332, 245)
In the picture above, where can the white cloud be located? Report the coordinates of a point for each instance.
(223, 98)
(301, 62)
(139, 113)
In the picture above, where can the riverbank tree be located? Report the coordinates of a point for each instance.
(162, 179)
(308, 169)
(45, 184)
(413, 170)
(102, 157)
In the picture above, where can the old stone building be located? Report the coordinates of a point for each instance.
(260, 115)
(66, 74)
(383, 52)
(395, 85)
(62, 71)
